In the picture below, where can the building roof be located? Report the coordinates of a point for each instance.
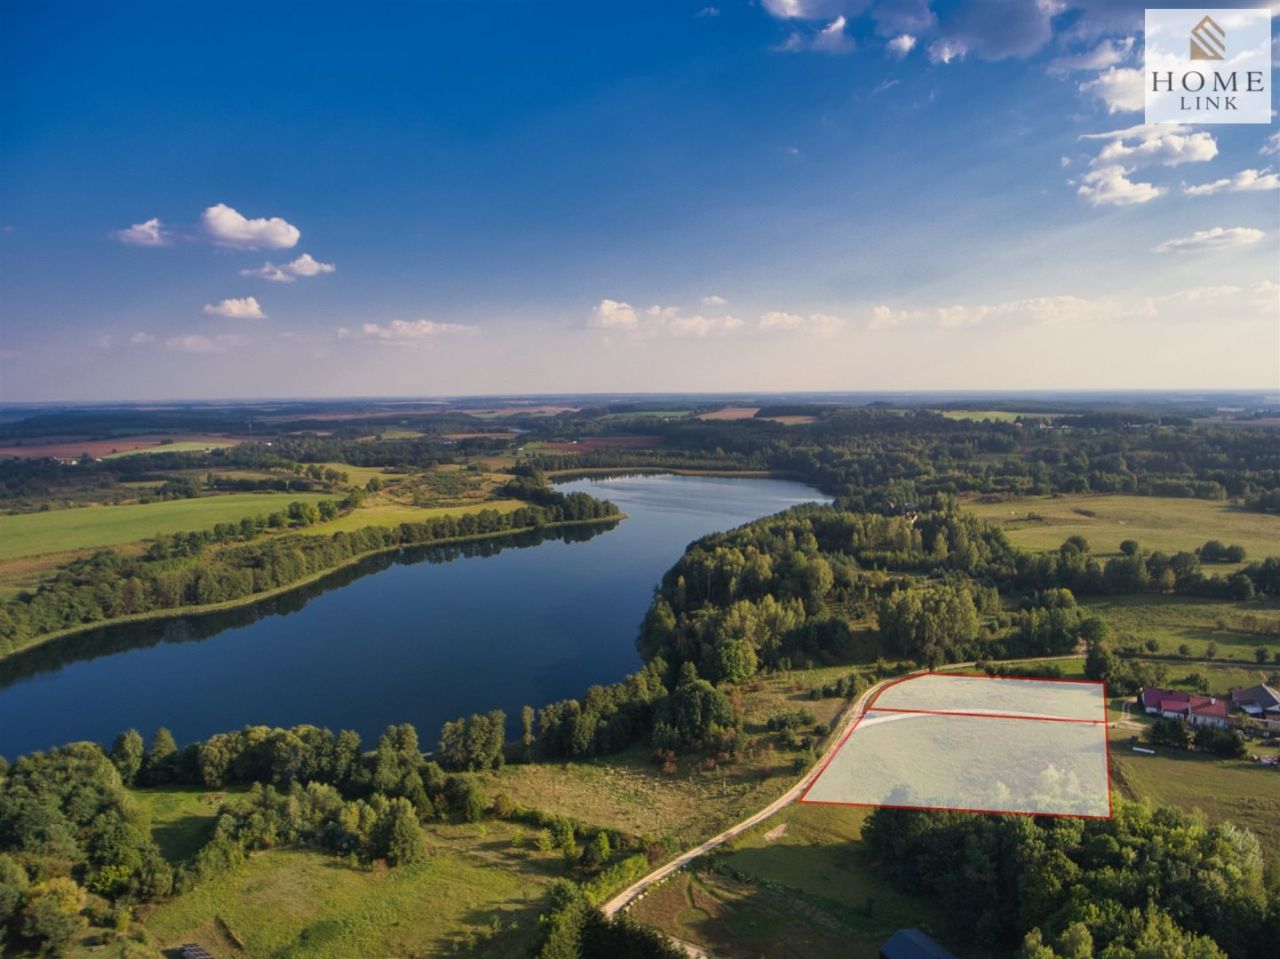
(1261, 695)
(191, 951)
(1153, 698)
(912, 944)
(1214, 707)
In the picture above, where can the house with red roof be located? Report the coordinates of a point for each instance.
(1197, 710)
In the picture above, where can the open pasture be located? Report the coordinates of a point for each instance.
(30, 534)
(1155, 522)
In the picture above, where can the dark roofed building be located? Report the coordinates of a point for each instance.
(1258, 701)
(191, 951)
(912, 944)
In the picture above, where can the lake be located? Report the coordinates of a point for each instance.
(422, 636)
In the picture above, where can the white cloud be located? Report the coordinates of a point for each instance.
(147, 233)
(830, 39)
(141, 337)
(708, 12)
(1244, 181)
(786, 9)
(1217, 238)
(613, 315)
(1106, 54)
(817, 324)
(1035, 310)
(236, 308)
(1111, 186)
(1272, 146)
(409, 330)
(901, 45)
(227, 227)
(944, 51)
(657, 320)
(1120, 88)
(305, 265)
(199, 343)
(1165, 144)
(714, 301)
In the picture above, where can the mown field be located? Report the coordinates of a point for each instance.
(1237, 790)
(1156, 522)
(29, 534)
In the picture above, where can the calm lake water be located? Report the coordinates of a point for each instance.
(423, 636)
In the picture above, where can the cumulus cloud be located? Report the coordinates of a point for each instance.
(1111, 186)
(1120, 88)
(613, 315)
(303, 266)
(658, 320)
(816, 324)
(1207, 241)
(141, 337)
(1108, 53)
(199, 343)
(1243, 182)
(714, 301)
(147, 233)
(1165, 144)
(228, 227)
(408, 330)
(236, 308)
(901, 45)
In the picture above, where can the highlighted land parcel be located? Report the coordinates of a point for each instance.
(976, 744)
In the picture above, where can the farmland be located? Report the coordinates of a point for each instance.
(1157, 523)
(393, 514)
(30, 534)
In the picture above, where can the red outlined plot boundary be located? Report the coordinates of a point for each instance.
(871, 707)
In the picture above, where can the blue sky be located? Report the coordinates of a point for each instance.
(525, 197)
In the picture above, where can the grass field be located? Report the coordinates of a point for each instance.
(29, 534)
(1175, 621)
(1156, 522)
(179, 447)
(1223, 789)
(474, 896)
(627, 791)
(797, 885)
(997, 416)
(181, 818)
(360, 475)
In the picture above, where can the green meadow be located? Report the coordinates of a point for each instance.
(29, 534)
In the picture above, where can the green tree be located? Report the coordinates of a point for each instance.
(401, 834)
(127, 755)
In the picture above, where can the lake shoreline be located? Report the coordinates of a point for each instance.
(209, 609)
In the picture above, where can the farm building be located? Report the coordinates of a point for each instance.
(912, 944)
(1197, 710)
(192, 951)
(1258, 702)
